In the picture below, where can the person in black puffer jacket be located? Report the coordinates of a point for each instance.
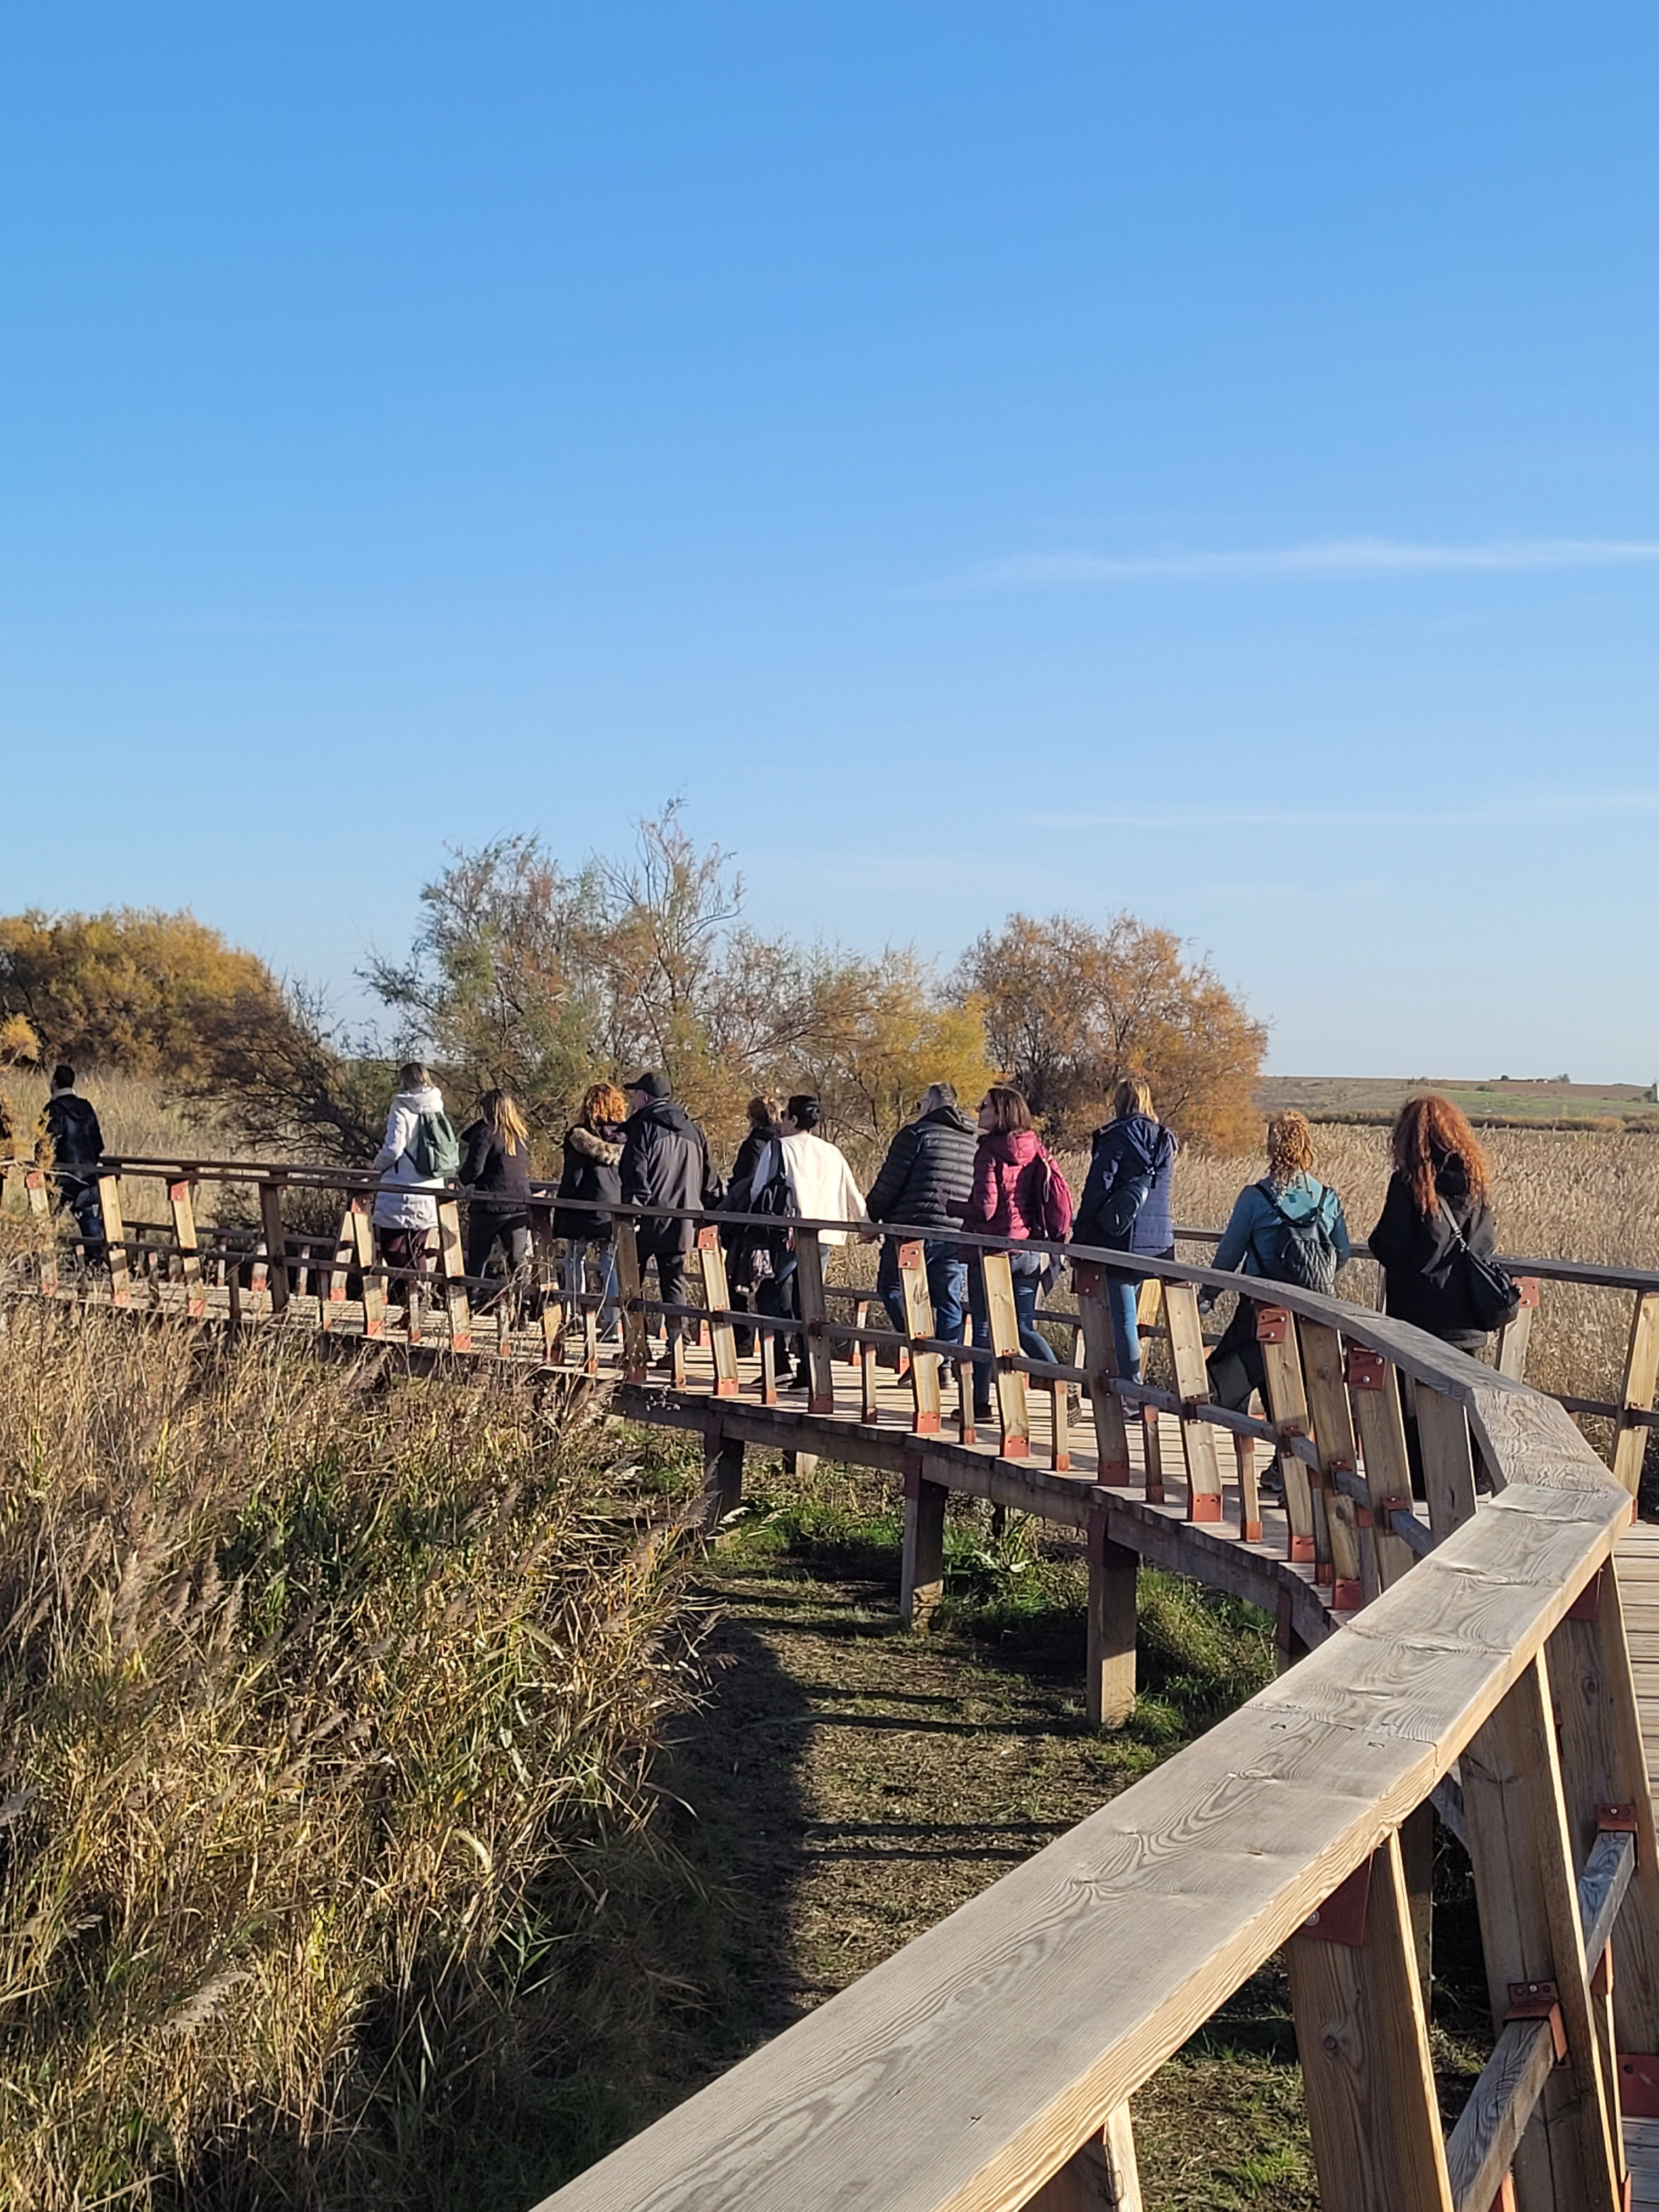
(924, 1183)
(1438, 1200)
(1126, 1205)
(592, 1170)
(495, 1173)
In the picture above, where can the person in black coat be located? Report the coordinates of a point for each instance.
(747, 1251)
(924, 1183)
(1438, 1203)
(592, 1170)
(664, 1162)
(495, 1173)
(71, 1125)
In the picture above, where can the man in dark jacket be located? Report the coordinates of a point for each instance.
(664, 1162)
(924, 1183)
(77, 1144)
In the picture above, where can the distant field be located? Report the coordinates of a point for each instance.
(1497, 1099)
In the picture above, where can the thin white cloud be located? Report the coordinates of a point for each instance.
(1336, 557)
(1502, 814)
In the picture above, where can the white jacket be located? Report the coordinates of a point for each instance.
(821, 1183)
(398, 1208)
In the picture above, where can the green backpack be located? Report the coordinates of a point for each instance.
(435, 1150)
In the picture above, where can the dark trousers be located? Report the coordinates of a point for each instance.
(671, 1284)
(404, 1253)
(778, 1295)
(489, 1225)
(81, 1200)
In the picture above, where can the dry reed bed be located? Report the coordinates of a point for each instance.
(327, 1694)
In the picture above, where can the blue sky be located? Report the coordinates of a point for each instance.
(1188, 457)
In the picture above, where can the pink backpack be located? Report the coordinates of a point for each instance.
(1048, 1209)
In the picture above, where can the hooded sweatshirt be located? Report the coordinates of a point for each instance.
(72, 1125)
(397, 1207)
(1251, 1237)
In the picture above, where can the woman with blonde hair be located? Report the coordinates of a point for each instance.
(593, 1170)
(1288, 1227)
(494, 1174)
(1126, 1204)
(1436, 1218)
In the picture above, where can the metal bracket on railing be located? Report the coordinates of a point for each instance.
(1539, 2000)
(1587, 1606)
(1341, 1918)
(1273, 1325)
(1363, 1370)
(1620, 1820)
(1638, 2086)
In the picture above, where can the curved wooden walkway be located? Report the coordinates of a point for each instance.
(1534, 1597)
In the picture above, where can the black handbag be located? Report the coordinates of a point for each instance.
(1493, 1294)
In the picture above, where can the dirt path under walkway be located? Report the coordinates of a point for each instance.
(847, 1785)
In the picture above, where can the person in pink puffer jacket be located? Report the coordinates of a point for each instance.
(1003, 1202)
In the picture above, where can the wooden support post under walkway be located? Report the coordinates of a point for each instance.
(922, 1572)
(722, 1473)
(1114, 1570)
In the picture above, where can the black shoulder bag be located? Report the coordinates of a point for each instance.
(1493, 1294)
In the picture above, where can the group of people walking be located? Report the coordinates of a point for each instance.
(946, 1177)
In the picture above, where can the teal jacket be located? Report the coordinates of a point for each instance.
(1249, 1238)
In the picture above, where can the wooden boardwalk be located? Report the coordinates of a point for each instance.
(1441, 1689)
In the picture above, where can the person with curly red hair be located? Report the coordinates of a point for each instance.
(1438, 1205)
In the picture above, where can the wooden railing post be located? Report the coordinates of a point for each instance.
(1287, 1409)
(452, 1265)
(1112, 1463)
(814, 1322)
(1514, 1335)
(1003, 1318)
(1362, 2034)
(334, 1290)
(630, 1297)
(190, 1256)
(1630, 1440)
(115, 1240)
(1442, 1430)
(1514, 1811)
(1101, 2177)
(922, 1570)
(722, 1473)
(1334, 1439)
(1114, 1569)
(1604, 1780)
(1193, 1387)
(1374, 1393)
(276, 1237)
(919, 1322)
(374, 1285)
(717, 1297)
(39, 1198)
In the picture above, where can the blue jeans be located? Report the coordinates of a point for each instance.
(580, 1249)
(947, 1277)
(1123, 1295)
(1031, 1343)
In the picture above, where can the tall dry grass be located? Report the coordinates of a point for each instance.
(330, 1700)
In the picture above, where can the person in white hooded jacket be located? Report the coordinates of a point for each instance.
(822, 1188)
(404, 1217)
